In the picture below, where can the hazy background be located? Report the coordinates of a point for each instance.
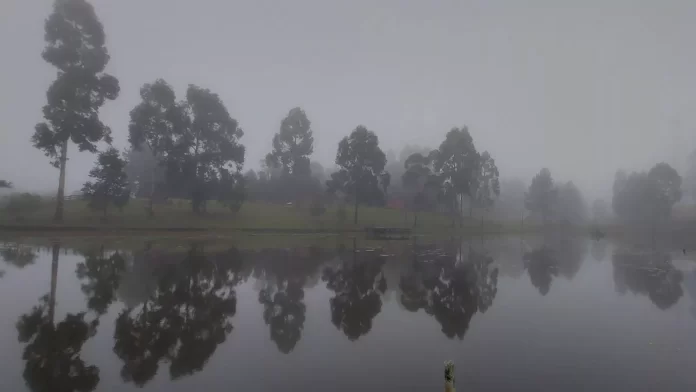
(583, 88)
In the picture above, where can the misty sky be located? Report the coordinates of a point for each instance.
(582, 87)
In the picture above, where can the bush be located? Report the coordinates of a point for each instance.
(20, 205)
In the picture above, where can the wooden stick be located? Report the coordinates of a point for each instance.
(449, 376)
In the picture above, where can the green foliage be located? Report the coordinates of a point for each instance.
(75, 44)
(20, 205)
(110, 182)
(361, 173)
(293, 144)
(646, 197)
(570, 205)
(542, 195)
(487, 181)
(205, 150)
(457, 161)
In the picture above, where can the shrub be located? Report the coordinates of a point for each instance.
(21, 205)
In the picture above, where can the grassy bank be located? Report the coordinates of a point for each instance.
(253, 217)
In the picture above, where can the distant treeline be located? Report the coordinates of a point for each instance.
(189, 148)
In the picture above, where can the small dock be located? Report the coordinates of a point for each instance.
(387, 233)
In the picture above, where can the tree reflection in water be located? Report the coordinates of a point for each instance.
(542, 267)
(185, 318)
(450, 286)
(18, 255)
(559, 255)
(52, 351)
(358, 285)
(102, 274)
(284, 273)
(650, 274)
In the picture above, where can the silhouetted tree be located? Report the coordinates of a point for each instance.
(156, 123)
(5, 184)
(361, 163)
(75, 45)
(570, 206)
(650, 274)
(110, 182)
(206, 150)
(420, 180)
(184, 320)
(358, 285)
(293, 144)
(457, 162)
(140, 166)
(487, 183)
(646, 197)
(542, 195)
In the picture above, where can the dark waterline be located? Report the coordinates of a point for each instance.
(550, 314)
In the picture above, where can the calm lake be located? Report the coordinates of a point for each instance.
(514, 314)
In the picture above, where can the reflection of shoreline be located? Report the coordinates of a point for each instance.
(648, 273)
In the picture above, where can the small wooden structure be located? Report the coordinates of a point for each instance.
(387, 233)
(449, 376)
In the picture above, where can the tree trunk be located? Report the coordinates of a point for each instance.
(60, 198)
(355, 213)
(415, 219)
(54, 280)
(151, 209)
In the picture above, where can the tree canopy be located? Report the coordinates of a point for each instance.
(361, 163)
(110, 184)
(293, 144)
(75, 45)
(542, 194)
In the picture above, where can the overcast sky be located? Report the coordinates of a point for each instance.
(581, 87)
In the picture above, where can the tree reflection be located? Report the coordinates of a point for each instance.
(103, 275)
(650, 274)
(285, 273)
(52, 351)
(18, 255)
(358, 284)
(451, 286)
(542, 266)
(559, 255)
(599, 250)
(184, 320)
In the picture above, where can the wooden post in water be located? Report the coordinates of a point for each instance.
(449, 376)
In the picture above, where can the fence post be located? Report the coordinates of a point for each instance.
(449, 376)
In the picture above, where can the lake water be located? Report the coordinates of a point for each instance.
(533, 314)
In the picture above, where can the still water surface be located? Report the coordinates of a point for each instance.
(562, 314)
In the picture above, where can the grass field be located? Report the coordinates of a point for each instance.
(252, 216)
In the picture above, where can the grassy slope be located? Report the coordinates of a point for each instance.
(251, 216)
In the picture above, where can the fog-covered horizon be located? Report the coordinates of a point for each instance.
(583, 89)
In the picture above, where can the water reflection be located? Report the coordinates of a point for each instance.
(102, 274)
(173, 309)
(648, 273)
(358, 284)
(52, 351)
(450, 286)
(284, 273)
(184, 320)
(18, 255)
(557, 255)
